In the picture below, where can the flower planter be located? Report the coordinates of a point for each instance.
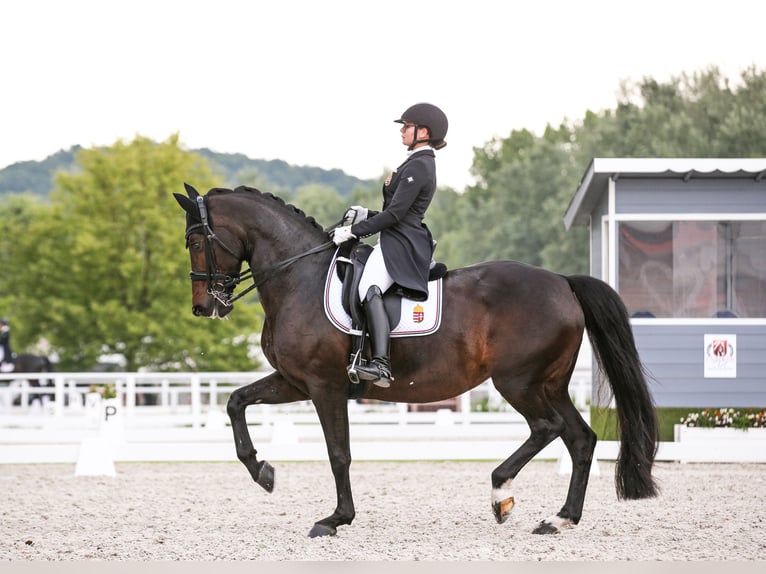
(723, 444)
(682, 433)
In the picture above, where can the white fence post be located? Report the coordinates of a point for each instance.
(213, 394)
(165, 393)
(58, 407)
(196, 401)
(130, 395)
(465, 408)
(402, 407)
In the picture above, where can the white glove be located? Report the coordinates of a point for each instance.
(354, 214)
(342, 234)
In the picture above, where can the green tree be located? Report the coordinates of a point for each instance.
(519, 200)
(446, 219)
(19, 214)
(321, 202)
(525, 182)
(691, 115)
(369, 195)
(111, 273)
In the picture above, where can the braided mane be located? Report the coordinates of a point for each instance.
(291, 209)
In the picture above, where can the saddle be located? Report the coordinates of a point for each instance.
(350, 262)
(349, 265)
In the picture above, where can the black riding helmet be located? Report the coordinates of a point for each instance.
(427, 116)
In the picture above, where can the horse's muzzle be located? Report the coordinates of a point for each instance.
(200, 311)
(214, 310)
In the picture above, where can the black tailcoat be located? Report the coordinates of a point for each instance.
(405, 239)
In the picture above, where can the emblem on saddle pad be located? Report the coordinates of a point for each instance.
(416, 318)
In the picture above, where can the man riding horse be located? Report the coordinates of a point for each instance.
(6, 354)
(403, 253)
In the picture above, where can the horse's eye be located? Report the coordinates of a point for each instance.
(195, 246)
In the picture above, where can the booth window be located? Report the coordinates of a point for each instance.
(692, 269)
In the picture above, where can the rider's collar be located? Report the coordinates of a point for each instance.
(416, 150)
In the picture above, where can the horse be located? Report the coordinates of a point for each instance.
(29, 363)
(520, 325)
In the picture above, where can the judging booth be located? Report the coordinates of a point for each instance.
(683, 241)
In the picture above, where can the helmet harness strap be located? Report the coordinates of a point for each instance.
(416, 141)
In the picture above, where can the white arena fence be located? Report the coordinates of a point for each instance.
(181, 417)
(188, 399)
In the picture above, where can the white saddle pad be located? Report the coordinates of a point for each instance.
(417, 317)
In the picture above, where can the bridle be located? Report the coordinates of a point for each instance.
(221, 285)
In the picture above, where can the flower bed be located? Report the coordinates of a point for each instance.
(726, 418)
(107, 391)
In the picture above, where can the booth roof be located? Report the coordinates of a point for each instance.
(600, 170)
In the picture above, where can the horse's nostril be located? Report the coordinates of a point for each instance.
(196, 310)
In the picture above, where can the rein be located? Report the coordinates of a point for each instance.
(224, 281)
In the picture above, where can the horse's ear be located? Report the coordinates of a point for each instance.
(193, 193)
(187, 204)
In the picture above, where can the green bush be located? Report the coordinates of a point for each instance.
(726, 418)
(604, 420)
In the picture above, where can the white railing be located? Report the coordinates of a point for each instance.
(188, 399)
(181, 416)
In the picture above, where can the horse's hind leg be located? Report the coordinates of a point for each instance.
(272, 389)
(544, 424)
(580, 441)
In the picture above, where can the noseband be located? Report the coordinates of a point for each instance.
(221, 285)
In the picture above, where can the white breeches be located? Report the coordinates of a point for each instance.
(375, 273)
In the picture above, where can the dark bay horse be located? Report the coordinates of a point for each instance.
(29, 363)
(520, 325)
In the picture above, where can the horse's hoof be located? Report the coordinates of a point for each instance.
(322, 530)
(502, 509)
(553, 525)
(266, 476)
(545, 528)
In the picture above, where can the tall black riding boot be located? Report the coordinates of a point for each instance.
(379, 369)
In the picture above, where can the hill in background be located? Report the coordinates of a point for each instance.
(276, 176)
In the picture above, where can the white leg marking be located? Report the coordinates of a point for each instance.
(558, 522)
(505, 491)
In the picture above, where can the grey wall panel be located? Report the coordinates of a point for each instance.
(674, 358)
(700, 196)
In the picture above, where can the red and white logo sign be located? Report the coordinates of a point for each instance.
(720, 357)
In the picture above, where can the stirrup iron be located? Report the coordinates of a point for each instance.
(353, 374)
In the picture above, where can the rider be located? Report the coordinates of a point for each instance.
(403, 253)
(6, 355)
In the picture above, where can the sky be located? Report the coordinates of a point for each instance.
(319, 82)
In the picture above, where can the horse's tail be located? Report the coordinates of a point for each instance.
(608, 325)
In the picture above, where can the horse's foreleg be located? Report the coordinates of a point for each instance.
(272, 389)
(333, 416)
